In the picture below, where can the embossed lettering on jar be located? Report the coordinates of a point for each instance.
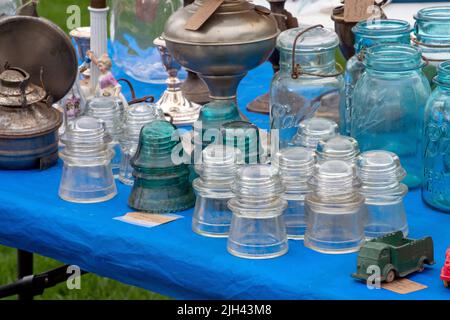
(436, 186)
(317, 91)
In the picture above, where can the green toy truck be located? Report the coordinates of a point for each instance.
(395, 256)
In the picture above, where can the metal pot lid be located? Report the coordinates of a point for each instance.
(252, 22)
(35, 44)
(16, 89)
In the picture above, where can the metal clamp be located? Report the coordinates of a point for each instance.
(297, 70)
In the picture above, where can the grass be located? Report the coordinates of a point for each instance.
(92, 286)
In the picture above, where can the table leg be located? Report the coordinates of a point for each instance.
(24, 268)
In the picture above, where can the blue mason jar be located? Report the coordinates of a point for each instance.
(308, 83)
(436, 185)
(368, 34)
(389, 104)
(432, 35)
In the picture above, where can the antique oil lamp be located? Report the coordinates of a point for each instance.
(235, 38)
(29, 84)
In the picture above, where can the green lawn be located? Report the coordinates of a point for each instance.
(92, 286)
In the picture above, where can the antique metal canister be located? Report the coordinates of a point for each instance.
(39, 68)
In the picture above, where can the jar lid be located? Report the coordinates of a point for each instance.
(314, 40)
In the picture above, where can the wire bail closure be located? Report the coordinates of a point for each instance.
(297, 70)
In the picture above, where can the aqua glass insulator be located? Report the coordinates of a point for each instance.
(367, 34)
(161, 178)
(389, 105)
(244, 136)
(135, 117)
(436, 184)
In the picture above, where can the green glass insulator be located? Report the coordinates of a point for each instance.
(161, 179)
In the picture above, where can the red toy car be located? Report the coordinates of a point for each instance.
(445, 274)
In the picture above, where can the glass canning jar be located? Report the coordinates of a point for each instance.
(367, 34)
(308, 83)
(432, 36)
(436, 186)
(389, 103)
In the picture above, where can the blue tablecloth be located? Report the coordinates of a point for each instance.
(173, 260)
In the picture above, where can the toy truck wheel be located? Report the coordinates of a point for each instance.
(390, 276)
(421, 266)
(446, 284)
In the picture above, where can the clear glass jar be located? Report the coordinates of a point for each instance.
(212, 217)
(257, 229)
(380, 173)
(135, 117)
(368, 34)
(317, 89)
(87, 175)
(432, 35)
(335, 210)
(134, 26)
(436, 186)
(389, 103)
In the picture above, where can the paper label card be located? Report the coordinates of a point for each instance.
(357, 10)
(202, 15)
(148, 220)
(403, 286)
